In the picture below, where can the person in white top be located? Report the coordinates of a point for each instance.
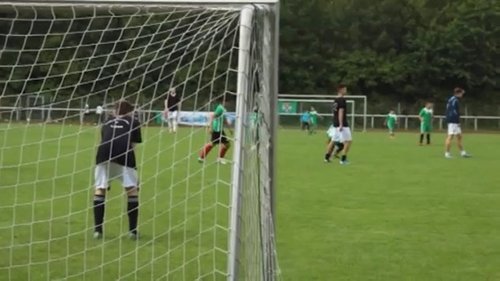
(99, 110)
(171, 109)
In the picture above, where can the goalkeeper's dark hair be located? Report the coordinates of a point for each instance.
(123, 107)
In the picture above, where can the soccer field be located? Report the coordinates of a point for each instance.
(46, 216)
(397, 212)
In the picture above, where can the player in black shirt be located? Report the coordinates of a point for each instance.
(340, 121)
(115, 159)
(171, 110)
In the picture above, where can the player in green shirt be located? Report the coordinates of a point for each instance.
(425, 117)
(390, 121)
(218, 136)
(255, 120)
(313, 120)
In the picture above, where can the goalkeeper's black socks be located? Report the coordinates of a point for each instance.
(428, 138)
(99, 202)
(133, 212)
(421, 138)
(343, 158)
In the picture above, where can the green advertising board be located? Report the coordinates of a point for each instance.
(287, 107)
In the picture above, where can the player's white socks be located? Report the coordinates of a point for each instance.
(170, 125)
(174, 126)
(464, 154)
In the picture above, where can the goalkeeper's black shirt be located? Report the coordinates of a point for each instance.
(118, 134)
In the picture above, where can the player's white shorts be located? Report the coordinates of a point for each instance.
(334, 134)
(108, 171)
(454, 129)
(345, 134)
(172, 115)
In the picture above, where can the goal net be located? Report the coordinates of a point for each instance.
(64, 64)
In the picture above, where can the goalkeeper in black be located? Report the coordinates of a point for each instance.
(115, 159)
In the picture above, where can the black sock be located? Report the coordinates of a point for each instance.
(428, 138)
(99, 202)
(421, 138)
(340, 146)
(133, 213)
(344, 158)
(327, 156)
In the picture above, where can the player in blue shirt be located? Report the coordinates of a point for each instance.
(305, 120)
(453, 120)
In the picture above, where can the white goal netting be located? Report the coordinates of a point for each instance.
(62, 68)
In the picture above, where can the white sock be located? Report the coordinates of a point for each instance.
(174, 125)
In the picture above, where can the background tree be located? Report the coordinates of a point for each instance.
(392, 50)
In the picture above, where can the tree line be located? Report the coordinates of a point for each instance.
(394, 51)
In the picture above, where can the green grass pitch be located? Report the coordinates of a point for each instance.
(398, 212)
(46, 216)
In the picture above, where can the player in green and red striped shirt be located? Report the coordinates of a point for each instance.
(218, 136)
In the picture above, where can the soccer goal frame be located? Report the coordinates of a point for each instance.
(269, 92)
(352, 104)
(266, 67)
(329, 98)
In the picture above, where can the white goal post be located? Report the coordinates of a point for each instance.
(198, 220)
(329, 98)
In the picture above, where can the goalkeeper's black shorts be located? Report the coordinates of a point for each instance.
(219, 137)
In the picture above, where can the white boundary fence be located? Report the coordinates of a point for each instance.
(439, 121)
(84, 115)
(411, 122)
(79, 115)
